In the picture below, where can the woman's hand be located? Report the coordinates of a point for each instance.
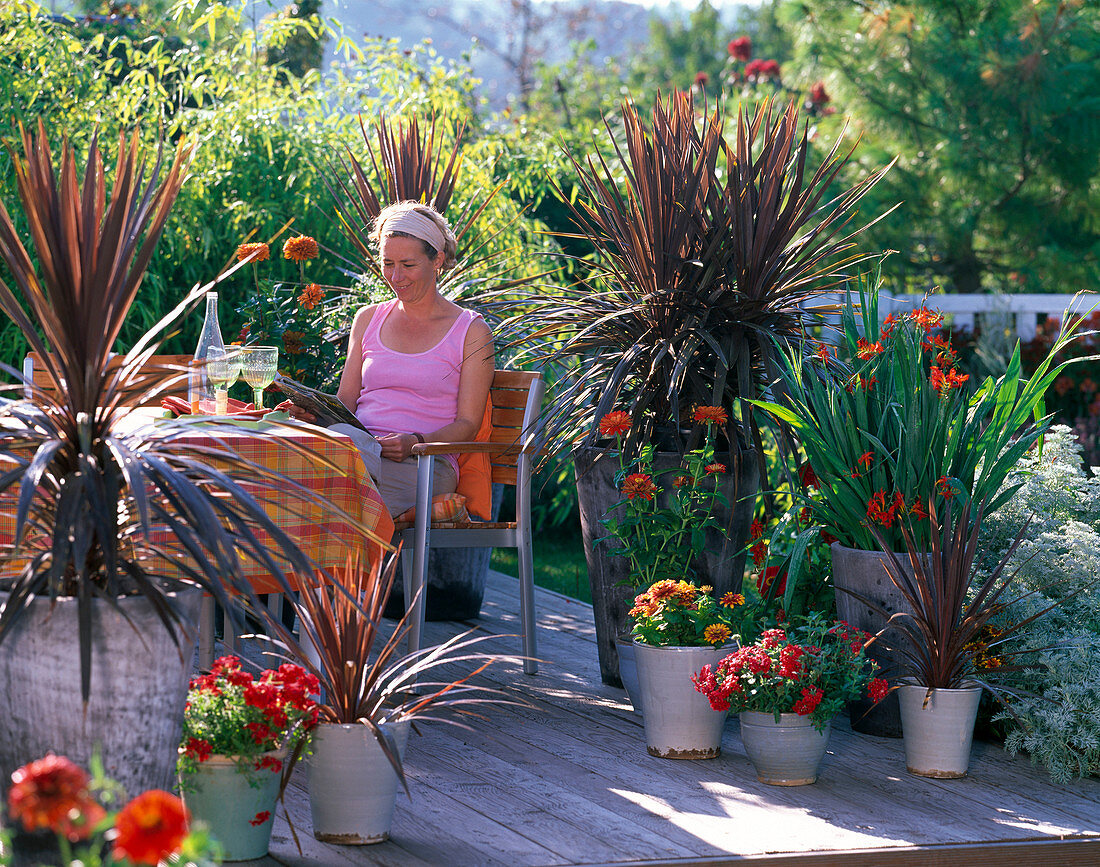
(295, 411)
(398, 446)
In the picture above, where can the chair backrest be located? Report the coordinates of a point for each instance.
(159, 366)
(517, 400)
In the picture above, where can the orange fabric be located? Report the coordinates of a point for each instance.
(446, 508)
(475, 475)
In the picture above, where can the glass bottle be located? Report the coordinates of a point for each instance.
(200, 391)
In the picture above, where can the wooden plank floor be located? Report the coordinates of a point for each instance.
(568, 781)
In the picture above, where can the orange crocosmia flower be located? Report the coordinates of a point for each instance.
(822, 350)
(926, 319)
(300, 249)
(867, 458)
(253, 252)
(944, 488)
(151, 828)
(888, 325)
(639, 485)
(919, 510)
(615, 423)
(867, 350)
(311, 296)
(710, 415)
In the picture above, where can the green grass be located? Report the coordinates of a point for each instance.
(559, 562)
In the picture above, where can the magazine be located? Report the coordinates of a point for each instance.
(327, 407)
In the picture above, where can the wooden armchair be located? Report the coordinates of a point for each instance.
(517, 399)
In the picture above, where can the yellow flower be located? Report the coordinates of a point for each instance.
(300, 249)
(716, 633)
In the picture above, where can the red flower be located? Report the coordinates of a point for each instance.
(756, 529)
(740, 48)
(715, 468)
(151, 828)
(867, 458)
(769, 576)
(807, 477)
(52, 793)
(615, 423)
(639, 485)
(867, 350)
(918, 510)
(759, 553)
(710, 415)
(822, 350)
(944, 488)
(818, 96)
(701, 79)
(878, 689)
(811, 698)
(271, 762)
(888, 325)
(199, 749)
(260, 818)
(828, 538)
(926, 319)
(224, 664)
(879, 512)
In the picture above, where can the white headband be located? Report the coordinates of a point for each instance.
(416, 224)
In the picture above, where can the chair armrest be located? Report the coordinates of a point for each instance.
(465, 448)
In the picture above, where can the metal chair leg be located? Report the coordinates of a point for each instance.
(425, 467)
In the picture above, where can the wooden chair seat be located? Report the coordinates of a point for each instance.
(517, 400)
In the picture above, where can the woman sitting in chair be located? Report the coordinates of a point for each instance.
(419, 366)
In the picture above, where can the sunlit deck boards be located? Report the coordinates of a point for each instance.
(568, 781)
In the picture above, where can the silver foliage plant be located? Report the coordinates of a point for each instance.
(1059, 726)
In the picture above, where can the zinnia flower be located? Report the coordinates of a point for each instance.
(716, 633)
(254, 252)
(732, 600)
(292, 342)
(615, 423)
(710, 415)
(311, 296)
(300, 249)
(639, 485)
(715, 468)
(52, 793)
(151, 828)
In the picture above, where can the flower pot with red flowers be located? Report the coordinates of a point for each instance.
(786, 688)
(61, 816)
(712, 245)
(238, 732)
(680, 628)
(889, 425)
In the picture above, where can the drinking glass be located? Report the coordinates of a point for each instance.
(259, 364)
(223, 366)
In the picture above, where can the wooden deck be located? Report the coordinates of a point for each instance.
(568, 781)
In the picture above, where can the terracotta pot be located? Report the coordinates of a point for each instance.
(613, 587)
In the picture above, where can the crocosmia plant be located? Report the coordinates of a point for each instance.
(662, 519)
(679, 614)
(231, 713)
(889, 423)
(812, 671)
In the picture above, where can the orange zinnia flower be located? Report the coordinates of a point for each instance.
(292, 341)
(710, 415)
(151, 827)
(254, 252)
(300, 249)
(732, 600)
(52, 793)
(716, 633)
(715, 468)
(615, 423)
(311, 296)
(639, 485)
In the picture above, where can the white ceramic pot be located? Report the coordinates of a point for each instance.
(679, 722)
(938, 728)
(784, 753)
(352, 785)
(628, 670)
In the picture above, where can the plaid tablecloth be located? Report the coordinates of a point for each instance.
(319, 530)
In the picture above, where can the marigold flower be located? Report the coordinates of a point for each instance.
(151, 828)
(715, 468)
(710, 415)
(311, 296)
(716, 633)
(300, 248)
(732, 600)
(615, 423)
(254, 252)
(639, 485)
(52, 793)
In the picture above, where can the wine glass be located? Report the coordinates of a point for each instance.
(223, 366)
(259, 364)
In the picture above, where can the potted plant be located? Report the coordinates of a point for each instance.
(678, 628)
(954, 622)
(238, 731)
(704, 250)
(371, 693)
(888, 423)
(786, 689)
(118, 528)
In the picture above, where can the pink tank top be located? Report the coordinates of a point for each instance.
(411, 392)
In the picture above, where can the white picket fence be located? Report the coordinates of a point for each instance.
(964, 311)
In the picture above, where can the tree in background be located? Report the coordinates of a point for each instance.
(994, 109)
(300, 49)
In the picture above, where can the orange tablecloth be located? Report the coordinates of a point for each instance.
(320, 532)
